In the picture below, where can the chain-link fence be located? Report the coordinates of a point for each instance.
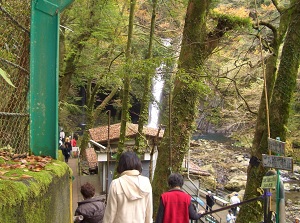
(14, 60)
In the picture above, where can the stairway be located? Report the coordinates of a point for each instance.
(211, 219)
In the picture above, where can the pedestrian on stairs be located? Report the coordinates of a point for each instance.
(175, 205)
(130, 195)
(230, 218)
(210, 201)
(235, 200)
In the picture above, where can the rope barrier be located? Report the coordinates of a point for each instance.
(264, 73)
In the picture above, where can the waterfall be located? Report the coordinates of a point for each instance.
(157, 88)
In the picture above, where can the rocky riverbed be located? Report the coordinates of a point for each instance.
(223, 169)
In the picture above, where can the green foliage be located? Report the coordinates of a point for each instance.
(5, 76)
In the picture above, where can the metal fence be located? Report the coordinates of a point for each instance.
(14, 60)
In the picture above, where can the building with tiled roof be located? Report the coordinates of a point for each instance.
(102, 135)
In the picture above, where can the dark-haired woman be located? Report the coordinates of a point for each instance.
(175, 205)
(130, 195)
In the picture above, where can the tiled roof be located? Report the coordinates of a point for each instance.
(100, 134)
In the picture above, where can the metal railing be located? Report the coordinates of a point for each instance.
(210, 217)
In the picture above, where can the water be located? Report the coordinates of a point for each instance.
(158, 84)
(157, 88)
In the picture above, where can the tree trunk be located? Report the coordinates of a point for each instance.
(279, 113)
(126, 88)
(185, 96)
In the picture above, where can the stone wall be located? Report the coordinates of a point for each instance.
(37, 196)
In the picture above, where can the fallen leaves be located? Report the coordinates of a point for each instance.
(24, 162)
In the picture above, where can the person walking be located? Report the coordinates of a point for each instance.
(130, 196)
(73, 142)
(230, 218)
(235, 200)
(66, 149)
(62, 135)
(175, 205)
(210, 201)
(91, 208)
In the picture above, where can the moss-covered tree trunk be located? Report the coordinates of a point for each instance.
(127, 77)
(279, 113)
(184, 97)
(147, 85)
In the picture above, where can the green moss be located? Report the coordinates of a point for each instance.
(12, 192)
(60, 156)
(59, 168)
(2, 161)
(232, 20)
(20, 183)
(28, 196)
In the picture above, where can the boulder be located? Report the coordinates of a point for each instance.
(236, 183)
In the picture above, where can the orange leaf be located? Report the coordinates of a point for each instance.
(24, 176)
(3, 172)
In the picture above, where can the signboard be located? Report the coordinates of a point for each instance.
(269, 182)
(276, 146)
(278, 162)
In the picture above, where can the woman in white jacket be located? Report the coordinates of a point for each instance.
(130, 196)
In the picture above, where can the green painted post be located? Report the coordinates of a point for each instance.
(278, 191)
(44, 54)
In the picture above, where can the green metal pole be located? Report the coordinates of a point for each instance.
(277, 191)
(44, 54)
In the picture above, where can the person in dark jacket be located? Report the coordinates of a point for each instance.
(175, 205)
(66, 149)
(91, 208)
(210, 201)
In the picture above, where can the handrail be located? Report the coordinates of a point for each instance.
(234, 205)
(198, 189)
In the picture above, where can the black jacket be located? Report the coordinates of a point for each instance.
(210, 201)
(91, 209)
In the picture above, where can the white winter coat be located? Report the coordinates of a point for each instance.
(129, 199)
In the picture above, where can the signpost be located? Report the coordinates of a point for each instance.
(278, 162)
(276, 146)
(269, 182)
